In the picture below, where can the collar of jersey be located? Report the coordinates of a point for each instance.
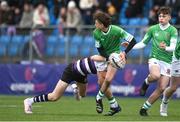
(164, 27)
(107, 31)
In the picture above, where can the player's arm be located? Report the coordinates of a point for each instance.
(130, 45)
(129, 39)
(173, 42)
(145, 40)
(131, 42)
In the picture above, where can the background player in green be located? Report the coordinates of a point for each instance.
(108, 38)
(175, 81)
(164, 38)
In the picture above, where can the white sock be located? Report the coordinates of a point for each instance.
(31, 100)
(74, 86)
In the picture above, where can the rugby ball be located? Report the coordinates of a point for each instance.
(116, 61)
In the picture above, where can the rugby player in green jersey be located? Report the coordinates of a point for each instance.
(175, 81)
(107, 41)
(164, 38)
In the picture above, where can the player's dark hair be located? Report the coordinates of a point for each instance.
(103, 18)
(164, 10)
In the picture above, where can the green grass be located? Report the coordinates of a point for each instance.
(67, 109)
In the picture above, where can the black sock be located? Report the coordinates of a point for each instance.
(41, 98)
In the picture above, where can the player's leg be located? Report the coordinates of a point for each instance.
(111, 71)
(79, 90)
(54, 96)
(99, 104)
(175, 82)
(154, 74)
(161, 86)
(112, 101)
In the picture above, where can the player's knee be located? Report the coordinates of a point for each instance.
(155, 76)
(100, 80)
(108, 79)
(162, 89)
(53, 97)
(173, 88)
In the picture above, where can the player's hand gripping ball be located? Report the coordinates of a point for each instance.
(116, 61)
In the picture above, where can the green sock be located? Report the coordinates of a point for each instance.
(146, 105)
(100, 95)
(113, 103)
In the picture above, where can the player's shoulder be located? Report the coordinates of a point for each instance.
(154, 26)
(96, 31)
(173, 28)
(115, 27)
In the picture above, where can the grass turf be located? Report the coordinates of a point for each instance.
(68, 109)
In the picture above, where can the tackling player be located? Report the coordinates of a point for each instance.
(78, 72)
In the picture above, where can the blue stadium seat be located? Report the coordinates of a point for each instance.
(134, 53)
(89, 41)
(144, 21)
(26, 38)
(50, 51)
(4, 40)
(76, 40)
(17, 39)
(94, 51)
(134, 21)
(51, 44)
(52, 41)
(138, 38)
(74, 50)
(2, 50)
(85, 51)
(60, 51)
(147, 50)
(62, 40)
(123, 21)
(13, 50)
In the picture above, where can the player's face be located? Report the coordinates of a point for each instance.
(164, 18)
(98, 25)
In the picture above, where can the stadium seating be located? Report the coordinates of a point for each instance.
(4, 40)
(16, 45)
(85, 51)
(17, 39)
(88, 41)
(147, 50)
(74, 51)
(13, 50)
(2, 50)
(94, 51)
(60, 51)
(76, 40)
(51, 45)
(134, 53)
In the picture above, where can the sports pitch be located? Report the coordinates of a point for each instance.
(68, 109)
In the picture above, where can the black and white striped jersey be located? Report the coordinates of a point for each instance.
(85, 66)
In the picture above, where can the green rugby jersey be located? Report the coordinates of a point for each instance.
(158, 35)
(110, 41)
(177, 50)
